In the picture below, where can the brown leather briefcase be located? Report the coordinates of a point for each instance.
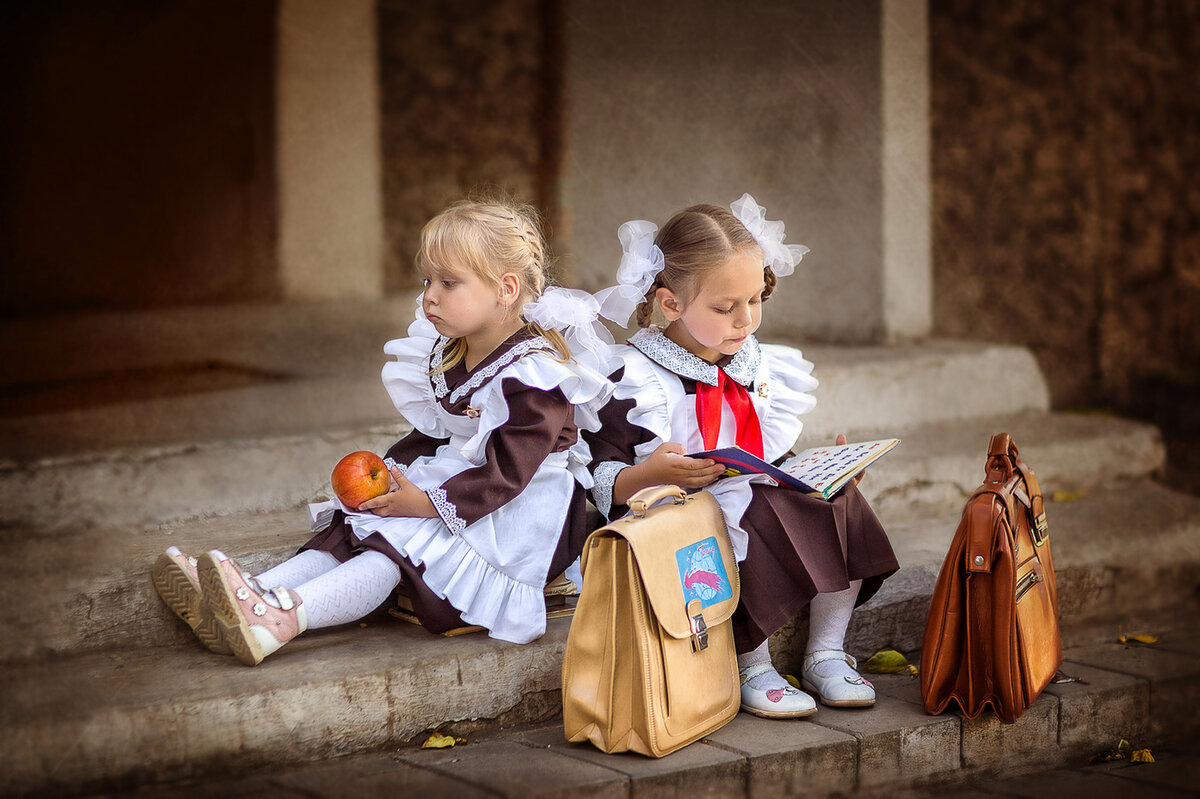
(992, 633)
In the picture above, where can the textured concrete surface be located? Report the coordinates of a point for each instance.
(135, 406)
(886, 751)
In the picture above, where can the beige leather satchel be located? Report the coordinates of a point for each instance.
(650, 663)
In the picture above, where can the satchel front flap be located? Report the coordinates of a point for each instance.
(683, 555)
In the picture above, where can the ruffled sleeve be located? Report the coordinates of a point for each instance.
(652, 396)
(407, 378)
(613, 449)
(584, 389)
(633, 424)
(791, 380)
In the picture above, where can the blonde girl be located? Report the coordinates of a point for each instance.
(703, 381)
(497, 376)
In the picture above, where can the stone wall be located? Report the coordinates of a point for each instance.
(1066, 210)
(469, 102)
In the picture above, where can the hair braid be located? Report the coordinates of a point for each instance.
(769, 281)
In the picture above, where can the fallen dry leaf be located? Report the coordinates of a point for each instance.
(886, 661)
(1141, 756)
(439, 741)
(1139, 638)
(792, 681)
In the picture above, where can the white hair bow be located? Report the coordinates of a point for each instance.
(782, 258)
(574, 313)
(641, 262)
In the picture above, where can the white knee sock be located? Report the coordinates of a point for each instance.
(351, 591)
(298, 569)
(768, 679)
(828, 618)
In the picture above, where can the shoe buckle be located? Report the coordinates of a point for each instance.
(699, 628)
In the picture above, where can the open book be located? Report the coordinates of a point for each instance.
(819, 472)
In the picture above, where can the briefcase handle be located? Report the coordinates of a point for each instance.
(1002, 458)
(640, 502)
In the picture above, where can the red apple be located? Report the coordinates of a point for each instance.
(358, 477)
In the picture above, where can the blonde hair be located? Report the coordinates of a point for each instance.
(491, 238)
(694, 242)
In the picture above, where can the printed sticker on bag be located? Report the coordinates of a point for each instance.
(702, 573)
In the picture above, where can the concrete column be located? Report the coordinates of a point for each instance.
(328, 150)
(907, 263)
(803, 105)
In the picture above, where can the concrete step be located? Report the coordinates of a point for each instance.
(938, 465)
(139, 712)
(209, 727)
(270, 444)
(96, 576)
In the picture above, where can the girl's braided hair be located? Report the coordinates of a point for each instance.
(491, 237)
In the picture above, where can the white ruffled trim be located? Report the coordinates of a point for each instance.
(643, 383)
(509, 609)
(604, 479)
(407, 378)
(788, 376)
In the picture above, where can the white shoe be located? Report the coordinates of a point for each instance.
(838, 690)
(773, 703)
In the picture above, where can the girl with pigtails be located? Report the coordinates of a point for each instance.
(497, 376)
(703, 382)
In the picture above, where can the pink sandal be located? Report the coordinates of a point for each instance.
(252, 624)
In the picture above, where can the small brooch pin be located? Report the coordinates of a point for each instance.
(763, 391)
(472, 413)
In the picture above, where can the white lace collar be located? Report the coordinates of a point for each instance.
(652, 343)
(477, 378)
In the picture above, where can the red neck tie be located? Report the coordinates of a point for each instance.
(708, 414)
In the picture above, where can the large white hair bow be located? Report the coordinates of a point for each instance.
(574, 314)
(641, 262)
(782, 258)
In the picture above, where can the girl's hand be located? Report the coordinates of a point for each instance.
(667, 465)
(839, 441)
(404, 499)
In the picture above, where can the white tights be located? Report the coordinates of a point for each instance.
(298, 569)
(829, 616)
(336, 593)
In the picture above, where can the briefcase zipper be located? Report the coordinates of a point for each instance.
(1025, 583)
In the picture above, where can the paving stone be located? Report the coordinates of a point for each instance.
(1174, 687)
(364, 775)
(374, 775)
(696, 770)
(902, 686)
(1100, 711)
(1173, 767)
(1031, 741)
(898, 741)
(513, 769)
(790, 757)
(1064, 784)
